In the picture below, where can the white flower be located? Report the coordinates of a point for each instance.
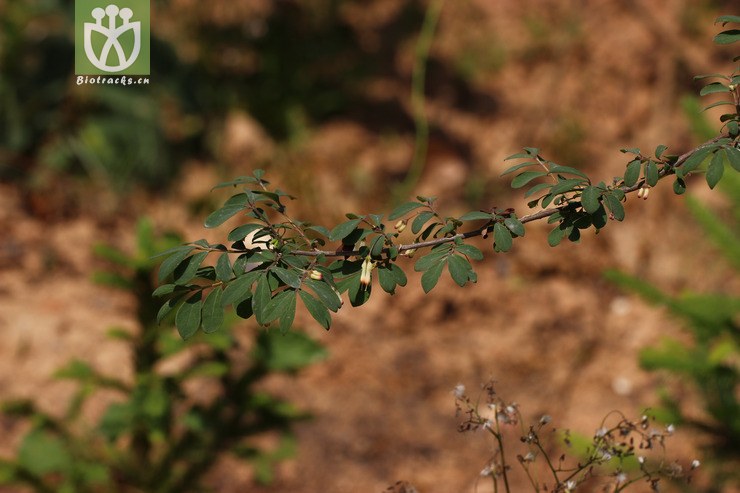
(670, 429)
(621, 478)
(601, 432)
(570, 485)
(641, 459)
(459, 391)
(545, 419)
(695, 463)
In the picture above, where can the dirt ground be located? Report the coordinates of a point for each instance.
(590, 78)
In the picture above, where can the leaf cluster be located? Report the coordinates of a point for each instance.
(272, 263)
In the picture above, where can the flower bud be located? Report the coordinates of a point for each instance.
(410, 252)
(400, 225)
(316, 275)
(643, 192)
(366, 274)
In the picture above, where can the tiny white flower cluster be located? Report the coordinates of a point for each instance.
(459, 391)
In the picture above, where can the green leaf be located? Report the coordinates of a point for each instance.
(651, 173)
(213, 312)
(727, 37)
(288, 277)
(519, 166)
(615, 206)
(631, 150)
(715, 170)
(471, 251)
(724, 19)
(166, 289)
(188, 317)
(459, 269)
(404, 209)
(317, 309)
(476, 216)
(564, 186)
(170, 263)
(76, 370)
(679, 186)
(239, 289)
(344, 229)
(537, 188)
(260, 299)
(632, 173)
(520, 155)
(241, 232)
(325, 293)
(42, 453)
(590, 199)
(660, 150)
(420, 220)
(320, 230)
(523, 178)
(693, 161)
(223, 268)
(432, 258)
(714, 75)
(502, 239)
(237, 181)
(399, 275)
(165, 309)
(376, 247)
(712, 88)
(718, 103)
(556, 168)
(514, 225)
(187, 269)
(431, 276)
(600, 218)
(288, 314)
(733, 156)
(387, 279)
(220, 216)
(278, 305)
(556, 236)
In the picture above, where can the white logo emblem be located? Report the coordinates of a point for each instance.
(112, 33)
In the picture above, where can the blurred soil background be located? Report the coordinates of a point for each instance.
(318, 94)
